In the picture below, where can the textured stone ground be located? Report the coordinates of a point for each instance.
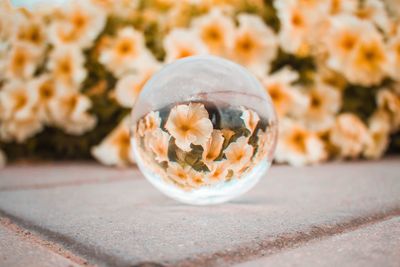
(342, 214)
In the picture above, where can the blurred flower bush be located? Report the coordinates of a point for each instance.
(70, 74)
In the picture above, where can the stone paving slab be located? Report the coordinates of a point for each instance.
(374, 245)
(18, 251)
(18, 176)
(128, 222)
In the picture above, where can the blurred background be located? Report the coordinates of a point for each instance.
(71, 71)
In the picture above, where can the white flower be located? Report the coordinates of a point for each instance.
(18, 100)
(250, 119)
(215, 29)
(30, 29)
(196, 179)
(285, 96)
(115, 149)
(299, 146)
(254, 44)
(356, 49)
(180, 175)
(342, 38)
(390, 102)
(393, 47)
(47, 90)
(70, 113)
(77, 23)
(189, 124)
(379, 130)
(238, 154)
(325, 102)
(218, 171)
(129, 86)
(185, 177)
(374, 11)
(349, 135)
(66, 64)
(149, 123)
(342, 6)
(18, 119)
(22, 61)
(125, 52)
(266, 142)
(366, 65)
(297, 25)
(158, 143)
(7, 20)
(180, 43)
(212, 148)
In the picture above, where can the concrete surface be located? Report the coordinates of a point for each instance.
(45, 175)
(20, 250)
(126, 222)
(373, 245)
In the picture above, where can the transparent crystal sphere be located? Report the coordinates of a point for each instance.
(204, 130)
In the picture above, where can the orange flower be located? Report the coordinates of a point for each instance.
(238, 154)
(250, 119)
(180, 43)
(349, 135)
(158, 143)
(149, 123)
(212, 147)
(185, 177)
(299, 146)
(189, 124)
(218, 171)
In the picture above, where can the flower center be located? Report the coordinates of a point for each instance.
(65, 67)
(197, 180)
(217, 172)
(46, 90)
(297, 20)
(398, 50)
(20, 101)
(212, 34)
(370, 56)
(315, 101)
(71, 103)
(364, 13)
(185, 128)
(335, 6)
(181, 175)
(185, 52)
(245, 44)
(348, 42)
(79, 21)
(239, 155)
(125, 47)
(298, 141)
(19, 59)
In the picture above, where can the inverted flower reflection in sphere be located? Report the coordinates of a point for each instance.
(204, 130)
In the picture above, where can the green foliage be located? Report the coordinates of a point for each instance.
(303, 65)
(355, 99)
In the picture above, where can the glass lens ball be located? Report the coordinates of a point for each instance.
(204, 130)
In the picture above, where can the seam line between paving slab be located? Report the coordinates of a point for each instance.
(245, 252)
(49, 246)
(251, 251)
(66, 184)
